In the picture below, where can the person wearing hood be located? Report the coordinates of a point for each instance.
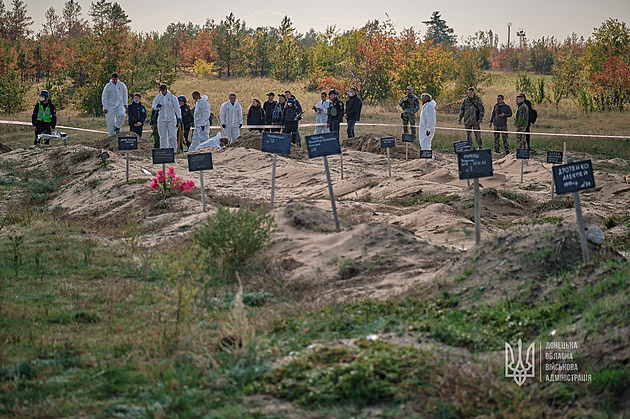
(427, 121)
(201, 114)
(44, 116)
(114, 100)
(170, 114)
(231, 118)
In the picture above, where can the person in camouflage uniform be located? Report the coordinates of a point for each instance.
(154, 130)
(410, 106)
(500, 113)
(472, 112)
(521, 121)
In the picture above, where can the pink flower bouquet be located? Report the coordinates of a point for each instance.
(170, 182)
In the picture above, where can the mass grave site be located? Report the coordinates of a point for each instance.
(411, 234)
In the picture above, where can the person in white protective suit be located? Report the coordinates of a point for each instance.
(218, 141)
(321, 114)
(427, 121)
(231, 117)
(170, 114)
(114, 100)
(201, 133)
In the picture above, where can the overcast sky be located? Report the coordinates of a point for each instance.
(536, 17)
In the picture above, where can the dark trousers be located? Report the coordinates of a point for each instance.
(43, 128)
(334, 125)
(351, 123)
(527, 135)
(137, 130)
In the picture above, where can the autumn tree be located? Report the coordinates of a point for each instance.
(15, 22)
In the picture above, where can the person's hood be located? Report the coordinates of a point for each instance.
(235, 102)
(433, 103)
(168, 92)
(204, 97)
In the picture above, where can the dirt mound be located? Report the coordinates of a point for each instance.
(311, 218)
(111, 142)
(253, 139)
(4, 148)
(524, 253)
(372, 144)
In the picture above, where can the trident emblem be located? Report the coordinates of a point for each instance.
(521, 370)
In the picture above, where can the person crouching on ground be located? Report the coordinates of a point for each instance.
(44, 116)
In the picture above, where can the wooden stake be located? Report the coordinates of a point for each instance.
(332, 195)
(522, 164)
(553, 182)
(406, 151)
(578, 213)
(477, 214)
(273, 178)
(389, 163)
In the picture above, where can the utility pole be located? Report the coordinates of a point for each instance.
(509, 25)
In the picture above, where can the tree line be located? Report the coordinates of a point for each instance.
(74, 57)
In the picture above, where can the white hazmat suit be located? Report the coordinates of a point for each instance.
(321, 117)
(201, 132)
(169, 114)
(210, 142)
(231, 115)
(114, 100)
(427, 123)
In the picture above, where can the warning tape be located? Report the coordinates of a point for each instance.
(553, 134)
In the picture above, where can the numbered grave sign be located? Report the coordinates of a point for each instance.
(408, 138)
(163, 155)
(522, 153)
(199, 161)
(387, 142)
(426, 154)
(322, 145)
(573, 177)
(475, 164)
(127, 143)
(461, 146)
(554, 157)
(273, 142)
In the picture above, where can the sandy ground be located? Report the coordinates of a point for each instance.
(384, 247)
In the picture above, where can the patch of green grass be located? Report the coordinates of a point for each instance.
(423, 199)
(616, 219)
(557, 203)
(519, 198)
(482, 328)
(613, 379)
(371, 373)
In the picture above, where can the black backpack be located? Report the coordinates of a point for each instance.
(533, 113)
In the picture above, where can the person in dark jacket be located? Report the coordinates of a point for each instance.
(500, 113)
(137, 113)
(353, 110)
(154, 131)
(335, 111)
(44, 116)
(268, 107)
(187, 118)
(278, 113)
(290, 120)
(288, 95)
(256, 115)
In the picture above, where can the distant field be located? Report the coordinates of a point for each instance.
(568, 119)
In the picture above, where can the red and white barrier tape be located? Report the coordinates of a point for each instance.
(553, 134)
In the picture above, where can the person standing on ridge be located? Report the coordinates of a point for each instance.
(114, 100)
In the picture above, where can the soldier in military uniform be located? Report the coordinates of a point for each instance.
(521, 121)
(410, 106)
(500, 113)
(154, 130)
(472, 112)
(335, 111)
